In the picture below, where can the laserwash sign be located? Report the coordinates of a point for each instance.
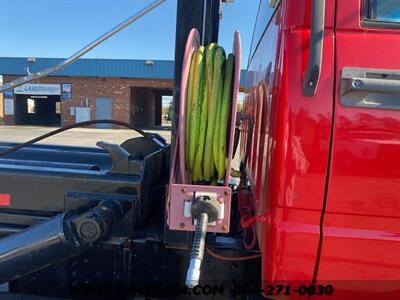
(38, 89)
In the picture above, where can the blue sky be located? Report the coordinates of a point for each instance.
(58, 28)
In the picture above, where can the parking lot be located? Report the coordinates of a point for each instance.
(77, 136)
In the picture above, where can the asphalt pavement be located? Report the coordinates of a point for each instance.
(86, 137)
(74, 137)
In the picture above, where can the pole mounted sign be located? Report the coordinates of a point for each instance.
(38, 89)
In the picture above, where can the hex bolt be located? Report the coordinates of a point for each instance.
(88, 230)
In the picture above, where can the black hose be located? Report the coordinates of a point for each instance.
(68, 127)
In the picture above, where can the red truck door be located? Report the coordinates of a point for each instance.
(289, 148)
(360, 248)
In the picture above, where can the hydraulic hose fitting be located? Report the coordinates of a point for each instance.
(196, 256)
(204, 210)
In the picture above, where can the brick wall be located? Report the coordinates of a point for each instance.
(119, 89)
(1, 99)
(1, 105)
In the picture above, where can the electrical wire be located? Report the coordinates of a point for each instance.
(249, 244)
(230, 258)
(76, 125)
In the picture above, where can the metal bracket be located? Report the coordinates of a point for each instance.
(119, 157)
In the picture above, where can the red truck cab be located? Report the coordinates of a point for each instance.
(322, 152)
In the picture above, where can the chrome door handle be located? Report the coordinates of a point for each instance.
(375, 85)
(372, 88)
